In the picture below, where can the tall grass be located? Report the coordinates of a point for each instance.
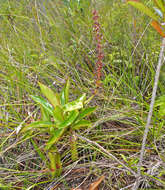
(48, 41)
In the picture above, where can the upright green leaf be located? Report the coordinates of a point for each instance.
(58, 115)
(50, 95)
(55, 138)
(85, 112)
(45, 116)
(76, 104)
(65, 93)
(140, 6)
(71, 118)
(44, 103)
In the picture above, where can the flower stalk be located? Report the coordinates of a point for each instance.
(99, 53)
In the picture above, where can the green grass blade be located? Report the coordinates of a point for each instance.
(144, 9)
(65, 93)
(44, 114)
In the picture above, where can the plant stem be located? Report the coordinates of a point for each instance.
(160, 62)
(55, 162)
(73, 145)
(99, 53)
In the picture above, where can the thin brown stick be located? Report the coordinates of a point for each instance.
(160, 62)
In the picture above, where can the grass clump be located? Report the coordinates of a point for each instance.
(51, 41)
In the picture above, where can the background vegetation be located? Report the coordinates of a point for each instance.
(51, 40)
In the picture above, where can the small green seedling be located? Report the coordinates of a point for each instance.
(58, 118)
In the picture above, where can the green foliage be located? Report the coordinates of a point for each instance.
(50, 95)
(48, 40)
(160, 103)
(144, 9)
(160, 11)
(58, 117)
(160, 4)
